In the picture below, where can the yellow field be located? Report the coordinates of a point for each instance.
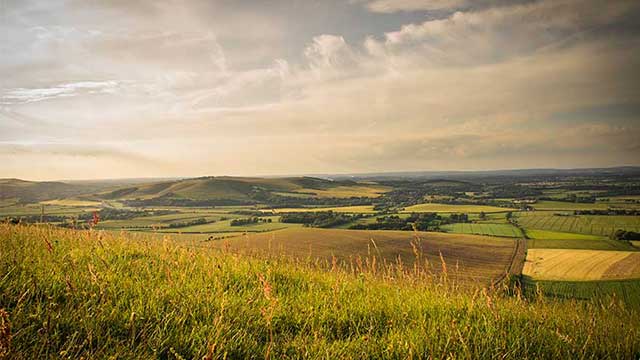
(71, 202)
(448, 208)
(567, 264)
(361, 209)
(349, 191)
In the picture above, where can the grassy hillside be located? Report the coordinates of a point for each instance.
(32, 191)
(239, 188)
(67, 294)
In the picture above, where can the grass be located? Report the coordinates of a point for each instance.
(504, 230)
(475, 259)
(89, 294)
(603, 225)
(567, 265)
(448, 208)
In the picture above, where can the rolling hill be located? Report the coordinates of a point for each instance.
(32, 191)
(223, 189)
(243, 189)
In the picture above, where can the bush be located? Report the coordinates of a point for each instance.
(626, 235)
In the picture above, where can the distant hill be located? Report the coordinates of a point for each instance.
(32, 191)
(24, 191)
(470, 175)
(239, 190)
(219, 190)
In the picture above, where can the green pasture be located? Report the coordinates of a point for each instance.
(449, 208)
(602, 225)
(569, 206)
(505, 230)
(625, 291)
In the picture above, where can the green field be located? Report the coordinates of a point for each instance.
(447, 208)
(490, 218)
(602, 225)
(160, 221)
(88, 294)
(606, 244)
(544, 239)
(563, 206)
(626, 291)
(505, 230)
(36, 209)
(556, 235)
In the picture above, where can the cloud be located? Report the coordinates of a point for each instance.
(497, 34)
(78, 150)
(23, 95)
(472, 88)
(392, 6)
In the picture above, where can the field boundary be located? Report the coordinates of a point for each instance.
(516, 263)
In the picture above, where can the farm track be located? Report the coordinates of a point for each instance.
(516, 263)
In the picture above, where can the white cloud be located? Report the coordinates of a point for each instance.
(392, 6)
(24, 95)
(475, 89)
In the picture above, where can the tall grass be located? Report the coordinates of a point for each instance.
(73, 294)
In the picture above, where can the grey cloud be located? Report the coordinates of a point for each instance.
(391, 6)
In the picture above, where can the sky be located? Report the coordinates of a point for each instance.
(159, 88)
